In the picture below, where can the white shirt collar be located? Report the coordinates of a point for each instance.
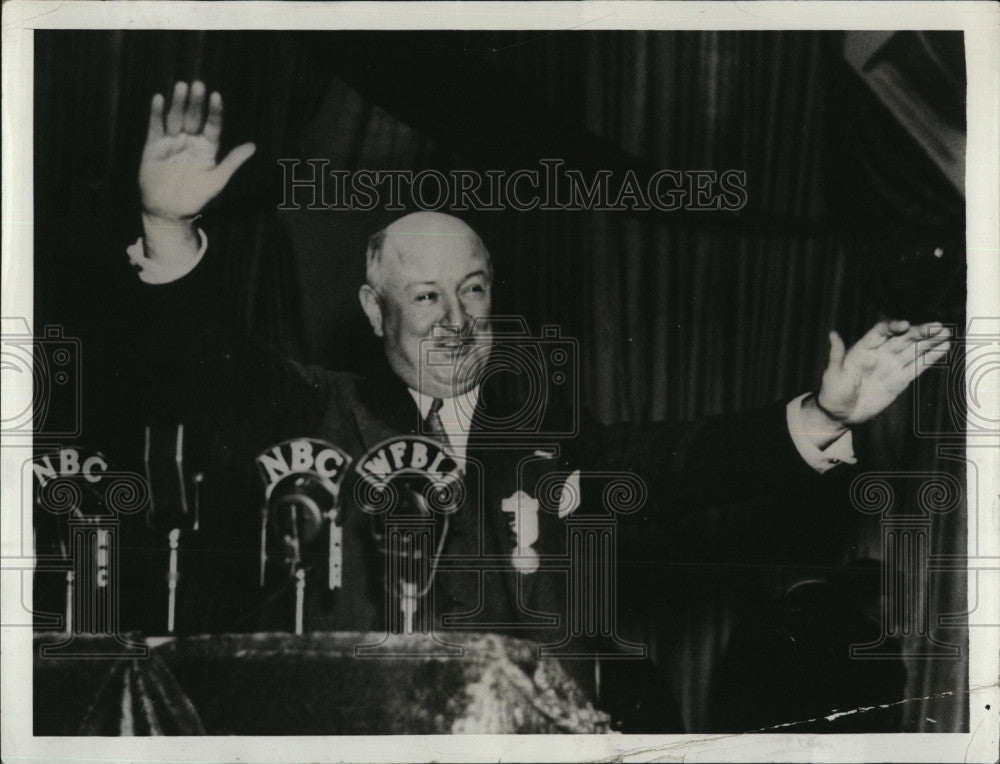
(456, 415)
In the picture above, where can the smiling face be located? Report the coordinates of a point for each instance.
(429, 278)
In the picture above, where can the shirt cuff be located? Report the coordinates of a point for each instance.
(841, 451)
(163, 271)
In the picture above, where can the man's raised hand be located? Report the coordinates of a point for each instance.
(178, 174)
(861, 382)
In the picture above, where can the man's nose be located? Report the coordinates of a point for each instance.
(455, 316)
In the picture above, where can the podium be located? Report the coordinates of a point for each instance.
(313, 684)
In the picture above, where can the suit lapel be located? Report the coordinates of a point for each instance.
(500, 482)
(387, 409)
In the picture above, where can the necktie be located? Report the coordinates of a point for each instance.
(435, 427)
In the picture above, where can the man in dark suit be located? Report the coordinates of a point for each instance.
(428, 287)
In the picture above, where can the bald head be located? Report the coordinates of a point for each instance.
(433, 235)
(429, 281)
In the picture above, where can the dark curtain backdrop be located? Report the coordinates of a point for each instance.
(678, 315)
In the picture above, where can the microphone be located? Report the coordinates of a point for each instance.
(409, 486)
(302, 479)
(295, 514)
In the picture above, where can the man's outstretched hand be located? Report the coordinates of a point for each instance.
(861, 382)
(178, 174)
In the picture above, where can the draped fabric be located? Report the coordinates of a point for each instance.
(676, 316)
(300, 685)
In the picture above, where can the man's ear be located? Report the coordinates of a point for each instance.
(372, 307)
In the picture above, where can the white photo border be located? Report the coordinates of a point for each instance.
(980, 22)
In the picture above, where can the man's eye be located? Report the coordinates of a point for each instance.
(475, 289)
(427, 297)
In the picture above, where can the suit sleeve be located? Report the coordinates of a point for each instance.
(192, 358)
(714, 461)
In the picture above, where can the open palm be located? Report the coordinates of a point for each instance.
(178, 174)
(860, 383)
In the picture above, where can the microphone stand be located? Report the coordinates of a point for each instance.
(172, 493)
